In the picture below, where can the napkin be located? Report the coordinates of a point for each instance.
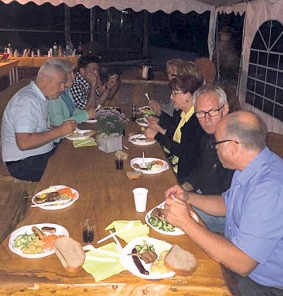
(103, 262)
(135, 230)
(84, 143)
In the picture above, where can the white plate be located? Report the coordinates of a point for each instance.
(60, 230)
(79, 135)
(142, 122)
(140, 140)
(139, 161)
(55, 207)
(177, 231)
(91, 121)
(146, 110)
(129, 264)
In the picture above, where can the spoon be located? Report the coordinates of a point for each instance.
(147, 96)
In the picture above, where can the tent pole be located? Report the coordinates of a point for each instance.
(67, 24)
(145, 33)
(91, 22)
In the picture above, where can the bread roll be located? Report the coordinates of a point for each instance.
(70, 253)
(180, 261)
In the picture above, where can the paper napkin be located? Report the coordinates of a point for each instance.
(133, 229)
(103, 262)
(84, 143)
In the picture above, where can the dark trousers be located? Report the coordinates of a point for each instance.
(30, 168)
(249, 287)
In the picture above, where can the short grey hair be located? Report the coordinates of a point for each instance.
(251, 134)
(55, 65)
(209, 88)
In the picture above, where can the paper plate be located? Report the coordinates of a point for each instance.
(139, 161)
(140, 140)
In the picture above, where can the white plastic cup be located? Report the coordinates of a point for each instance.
(140, 198)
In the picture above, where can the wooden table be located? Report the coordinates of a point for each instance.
(141, 86)
(36, 62)
(9, 67)
(105, 195)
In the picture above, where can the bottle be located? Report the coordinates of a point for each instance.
(60, 51)
(134, 112)
(55, 49)
(8, 49)
(69, 48)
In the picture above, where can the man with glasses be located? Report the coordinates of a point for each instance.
(209, 177)
(253, 244)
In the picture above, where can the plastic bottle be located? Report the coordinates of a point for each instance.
(55, 49)
(134, 112)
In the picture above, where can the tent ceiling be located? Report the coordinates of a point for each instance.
(184, 6)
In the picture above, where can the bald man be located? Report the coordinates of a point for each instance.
(27, 139)
(252, 248)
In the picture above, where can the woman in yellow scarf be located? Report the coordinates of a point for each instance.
(180, 134)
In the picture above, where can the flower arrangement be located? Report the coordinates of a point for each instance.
(110, 121)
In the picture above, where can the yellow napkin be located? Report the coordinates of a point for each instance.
(84, 143)
(133, 229)
(103, 262)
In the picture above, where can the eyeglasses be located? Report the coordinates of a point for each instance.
(211, 113)
(224, 141)
(176, 92)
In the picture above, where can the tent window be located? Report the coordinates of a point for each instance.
(265, 76)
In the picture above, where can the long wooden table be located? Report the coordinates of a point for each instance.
(105, 195)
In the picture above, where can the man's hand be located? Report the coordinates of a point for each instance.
(112, 81)
(91, 113)
(177, 212)
(92, 79)
(176, 191)
(67, 127)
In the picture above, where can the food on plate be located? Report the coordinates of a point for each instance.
(70, 253)
(158, 220)
(81, 134)
(48, 229)
(180, 261)
(146, 252)
(138, 263)
(159, 264)
(60, 194)
(147, 110)
(154, 165)
(134, 175)
(35, 243)
(142, 121)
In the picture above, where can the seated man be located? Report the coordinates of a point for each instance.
(209, 177)
(27, 140)
(253, 242)
(88, 90)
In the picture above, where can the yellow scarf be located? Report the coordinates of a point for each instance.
(178, 134)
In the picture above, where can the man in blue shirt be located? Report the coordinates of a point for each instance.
(27, 139)
(253, 244)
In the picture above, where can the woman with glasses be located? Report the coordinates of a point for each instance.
(181, 134)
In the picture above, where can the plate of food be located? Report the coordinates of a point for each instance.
(140, 140)
(55, 197)
(148, 165)
(144, 257)
(146, 110)
(36, 241)
(156, 220)
(80, 134)
(142, 121)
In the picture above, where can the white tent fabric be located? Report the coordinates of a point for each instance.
(184, 6)
(257, 12)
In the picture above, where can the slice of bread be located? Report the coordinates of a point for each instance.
(180, 261)
(70, 253)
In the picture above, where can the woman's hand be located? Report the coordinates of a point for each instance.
(112, 81)
(155, 106)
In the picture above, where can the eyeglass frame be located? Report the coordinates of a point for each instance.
(224, 141)
(207, 112)
(176, 92)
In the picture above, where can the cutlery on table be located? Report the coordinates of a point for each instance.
(147, 96)
(56, 202)
(127, 227)
(143, 161)
(116, 240)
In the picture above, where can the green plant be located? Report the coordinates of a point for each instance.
(110, 121)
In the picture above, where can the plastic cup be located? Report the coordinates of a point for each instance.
(119, 161)
(88, 231)
(140, 198)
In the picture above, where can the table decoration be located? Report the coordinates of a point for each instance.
(138, 229)
(110, 128)
(103, 262)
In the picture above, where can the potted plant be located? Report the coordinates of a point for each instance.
(110, 128)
